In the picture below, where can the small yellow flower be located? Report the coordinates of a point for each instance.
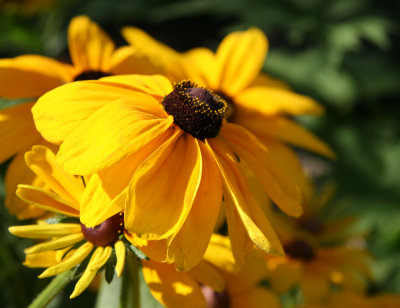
(93, 55)
(67, 244)
(165, 155)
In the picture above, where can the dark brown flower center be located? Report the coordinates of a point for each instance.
(91, 75)
(215, 299)
(105, 233)
(312, 225)
(299, 249)
(196, 110)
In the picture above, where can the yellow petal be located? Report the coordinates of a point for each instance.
(187, 250)
(170, 287)
(109, 187)
(240, 58)
(17, 130)
(168, 61)
(120, 252)
(59, 112)
(90, 47)
(31, 76)
(288, 131)
(254, 219)
(126, 60)
(207, 275)
(45, 200)
(109, 135)
(18, 172)
(279, 186)
(284, 274)
(41, 259)
(204, 67)
(55, 244)
(274, 101)
(42, 161)
(163, 188)
(155, 250)
(219, 253)
(45, 230)
(264, 80)
(77, 257)
(99, 258)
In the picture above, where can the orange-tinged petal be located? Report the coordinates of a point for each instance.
(42, 161)
(18, 172)
(185, 249)
(90, 47)
(207, 275)
(279, 186)
(163, 188)
(274, 101)
(256, 298)
(240, 57)
(155, 250)
(288, 131)
(172, 288)
(31, 76)
(254, 219)
(105, 193)
(45, 200)
(17, 130)
(109, 135)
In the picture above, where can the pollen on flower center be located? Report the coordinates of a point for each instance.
(105, 233)
(299, 249)
(91, 75)
(230, 111)
(197, 111)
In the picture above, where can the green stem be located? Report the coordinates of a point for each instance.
(130, 283)
(52, 289)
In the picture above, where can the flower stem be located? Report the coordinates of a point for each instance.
(52, 289)
(130, 283)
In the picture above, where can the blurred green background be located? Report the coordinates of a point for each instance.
(344, 53)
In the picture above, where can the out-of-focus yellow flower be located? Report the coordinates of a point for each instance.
(67, 244)
(165, 155)
(93, 55)
(259, 103)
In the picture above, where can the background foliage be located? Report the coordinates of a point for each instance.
(344, 53)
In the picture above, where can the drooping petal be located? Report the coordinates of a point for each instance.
(55, 244)
(105, 193)
(120, 252)
(46, 200)
(219, 253)
(240, 57)
(254, 219)
(288, 131)
(77, 257)
(42, 161)
(90, 47)
(17, 130)
(98, 259)
(45, 230)
(271, 101)
(163, 188)
(279, 186)
(172, 288)
(189, 245)
(31, 76)
(17, 173)
(207, 275)
(109, 135)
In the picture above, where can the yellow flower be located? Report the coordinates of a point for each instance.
(215, 282)
(93, 55)
(166, 156)
(67, 244)
(258, 102)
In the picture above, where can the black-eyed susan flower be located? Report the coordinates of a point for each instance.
(261, 104)
(65, 245)
(93, 55)
(166, 156)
